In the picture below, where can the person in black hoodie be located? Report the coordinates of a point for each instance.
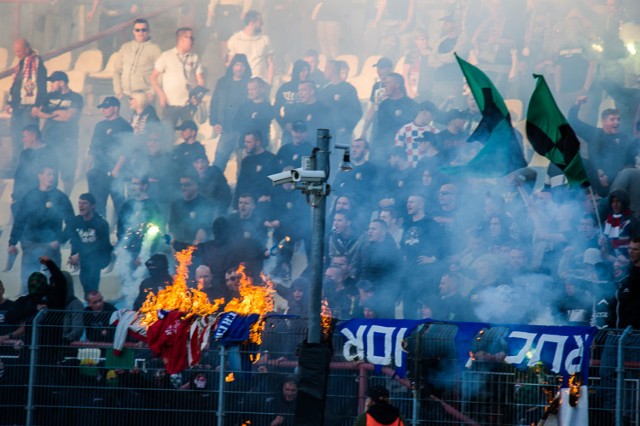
(287, 94)
(230, 92)
(379, 410)
(53, 296)
(159, 278)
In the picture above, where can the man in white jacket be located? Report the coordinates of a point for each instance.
(134, 62)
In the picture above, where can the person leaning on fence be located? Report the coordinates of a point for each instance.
(379, 411)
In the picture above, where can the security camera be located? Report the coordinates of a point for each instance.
(307, 176)
(281, 178)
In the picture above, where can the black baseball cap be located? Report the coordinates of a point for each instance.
(384, 62)
(188, 124)
(299, 126)
(58, 76)
(109, 101)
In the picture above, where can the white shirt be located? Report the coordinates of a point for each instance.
(257, 49)
(178, 75)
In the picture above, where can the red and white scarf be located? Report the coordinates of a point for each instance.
(29, 86)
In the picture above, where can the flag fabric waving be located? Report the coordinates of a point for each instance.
(502, 152)
(550, 134)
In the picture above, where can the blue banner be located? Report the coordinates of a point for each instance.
(562, 350)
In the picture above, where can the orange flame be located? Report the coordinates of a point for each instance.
(326, 318)
(179, 296)
(229, 378)
(254, 299)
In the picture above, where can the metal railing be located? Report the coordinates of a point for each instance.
(45, 380)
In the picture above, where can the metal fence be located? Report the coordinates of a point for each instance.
(45, 380)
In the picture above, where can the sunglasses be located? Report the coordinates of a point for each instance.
(141, 30)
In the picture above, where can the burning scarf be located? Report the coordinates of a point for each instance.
(29, 86)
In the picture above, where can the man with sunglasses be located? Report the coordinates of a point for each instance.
(135, 60)
(181, 72)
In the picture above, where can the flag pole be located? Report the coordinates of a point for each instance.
(595, 208)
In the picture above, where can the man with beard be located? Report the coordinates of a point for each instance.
(62, 108)
(90, 245)
(256, 46)
(255, 169)
(38, 223)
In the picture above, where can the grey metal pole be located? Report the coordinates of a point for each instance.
(314, 333)
(220, 412)
(619, 376)
(33, 359)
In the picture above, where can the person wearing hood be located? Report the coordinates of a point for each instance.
(287, 92)
(379, 410)
(230, 92)
(73, 326)
(297, 296)
(159, 277)
(42, 293)
(620, 226)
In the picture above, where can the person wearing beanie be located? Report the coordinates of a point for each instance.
(379, 410)
(41, 294)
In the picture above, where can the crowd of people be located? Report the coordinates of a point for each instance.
(406, 239)
(401, 228)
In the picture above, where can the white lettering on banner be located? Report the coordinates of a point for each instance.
(559, 341)
(392, 350)
(576, 354)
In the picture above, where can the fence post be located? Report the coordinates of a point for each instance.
(221, 380)
(415, 392)
(620, 377)
(33, 359)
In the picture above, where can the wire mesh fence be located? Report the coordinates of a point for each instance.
(47, 380)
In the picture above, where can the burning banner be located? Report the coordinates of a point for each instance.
(180, 320)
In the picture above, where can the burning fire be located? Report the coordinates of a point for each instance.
(229, 378)
(179, 296)
(575, 383)
(254, 299)
(326, 318)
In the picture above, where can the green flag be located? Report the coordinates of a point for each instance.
(550, 134)
(502, 152)
(480, 85)
(500, 155)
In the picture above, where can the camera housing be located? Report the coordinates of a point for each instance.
(298, 175)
